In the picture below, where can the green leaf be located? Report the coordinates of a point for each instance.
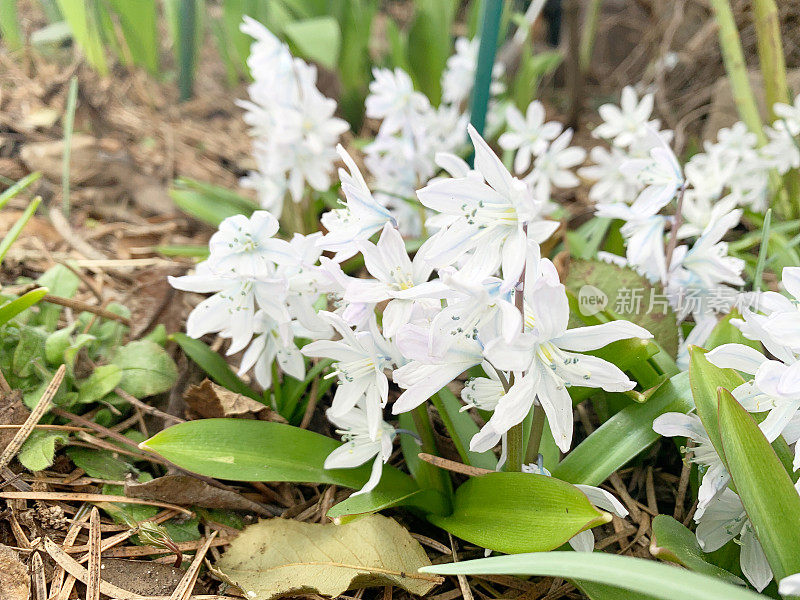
(57, 343)
(621, 287)
(99, 463)
(101, 382)
(727, 333)
(430, 44)
(39, 449)
(705, 380)
(11, 309)
(84, 32)
(317, 39)
(461, 428)
(20, 185)
(247, 450)
(62, 283)
(767, 492)
(146, 368)
(17, 227)
(29, 351)
(213, 365)
(426, 500)
(138, 21)
(209, 203)
(9, 25)
(622, 437)
(673, 542)
(627, 573)
(519, 512)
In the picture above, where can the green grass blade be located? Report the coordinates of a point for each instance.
(17, 227)
(187, 36)
(767, 492)
(139, 23)
(633, 574)
(84, 32)
(18, 187)
(623, 436)
(69, 121)
(9, 25)
(11, 309)
(762, 252)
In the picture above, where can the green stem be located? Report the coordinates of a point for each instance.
(535, 439)
(733, 57)
(186, 48)
(770, 53)
(429, 475)
(490, 26)
(69, 121)
(589, 34)
(514, 443)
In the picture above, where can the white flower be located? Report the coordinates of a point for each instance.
(528, 135)
(361, 358)
(724, 520)
(231, 310)
(488, 218)
(547, 354)
(359, 218)
(783, 325)
(790, 586)
(245, 247)
(393, 99)
(552, 167)
(612, 184)
(426, 373)
(789, 116)
(483, 393)
(624, 124)
(715, 475)
(584, 541)
(397, 277)
(782, 152)
(659, 174)
(361, 444)
(273, 341)
(459, 75)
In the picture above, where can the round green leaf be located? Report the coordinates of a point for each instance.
(146, 368)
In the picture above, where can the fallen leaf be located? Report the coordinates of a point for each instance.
(279, 557)
(188, 490)
(211, 401)
(93, 162)
(14, 578)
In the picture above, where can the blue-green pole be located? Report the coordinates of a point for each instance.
(491, 11)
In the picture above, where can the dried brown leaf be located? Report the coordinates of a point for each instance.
(187, 490)
(211, 401)
(279, 557)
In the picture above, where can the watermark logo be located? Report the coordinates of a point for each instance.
(591, 300)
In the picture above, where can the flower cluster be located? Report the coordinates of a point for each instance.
(292, 122)
(774, 389)
(638, 176)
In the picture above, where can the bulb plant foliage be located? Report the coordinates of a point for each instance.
(431, 277)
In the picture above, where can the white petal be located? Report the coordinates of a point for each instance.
(581, 339)
(583, 542)
(753, 561)
(736, 356)
(603, 500)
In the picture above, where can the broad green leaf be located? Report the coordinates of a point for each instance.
(39, 449)
(247, 450)
(673, 542)
(62, 283)
(101, 382)
(767, 492)
(57, 343)
(213, 365)
(146, 368)
(16, 228)
(99, 463)
(461, 428)
(727, 333)
(209, 203)
(84, 32)
(627, 295)
(519, 512)
(599, 591)
(317, 39)
(11, 309)
(29, 351)
(138, 21)
(430, 44)
(634, 574)
(281, 557)
(622, 437)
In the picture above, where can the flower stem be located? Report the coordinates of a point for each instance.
(535, 438)
(429, 475)
(514, 440)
